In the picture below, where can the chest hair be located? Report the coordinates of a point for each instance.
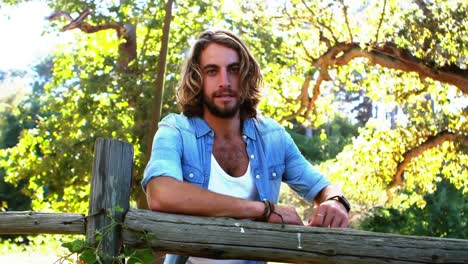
(231, 155)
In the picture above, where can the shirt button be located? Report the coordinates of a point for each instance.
(191, 175)
(244, 136)
(257, 176)
(252, 156)
(274, 174)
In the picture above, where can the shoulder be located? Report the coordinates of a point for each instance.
(266, 124)
(175, 119)
(178, 121)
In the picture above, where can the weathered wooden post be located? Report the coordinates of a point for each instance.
(110, 195)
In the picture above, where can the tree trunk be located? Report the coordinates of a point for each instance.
(158, 96)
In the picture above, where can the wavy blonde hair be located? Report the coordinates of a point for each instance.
(190, 88)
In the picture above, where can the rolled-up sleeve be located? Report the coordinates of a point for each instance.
(166, 155)
(300, 175)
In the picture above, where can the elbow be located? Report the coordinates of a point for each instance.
(154, 205)
(155, 196)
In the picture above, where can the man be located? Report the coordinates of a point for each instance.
(220, 158)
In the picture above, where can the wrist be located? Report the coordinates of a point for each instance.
(327, 193)
(254, 210)
(341, 199)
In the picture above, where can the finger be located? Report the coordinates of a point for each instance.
(298, 219)
(328, 220)
(345, 223)
(318, 217)
(316, 220)
(336, 222)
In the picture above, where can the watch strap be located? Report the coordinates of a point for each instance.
(342, 199)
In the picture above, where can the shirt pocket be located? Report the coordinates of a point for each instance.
(276, 172)
(192, 174)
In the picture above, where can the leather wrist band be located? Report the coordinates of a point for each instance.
(269, 210)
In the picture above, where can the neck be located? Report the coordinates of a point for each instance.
(224, 127)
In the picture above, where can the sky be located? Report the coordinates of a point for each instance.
(24, 42)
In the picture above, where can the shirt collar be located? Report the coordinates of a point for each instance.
(249, 128)
(202, 128)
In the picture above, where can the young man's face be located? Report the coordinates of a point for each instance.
(220, 71)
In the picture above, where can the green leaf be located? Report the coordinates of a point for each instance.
(118, 209)
(76, 246)
(141, 256)
(89, 256)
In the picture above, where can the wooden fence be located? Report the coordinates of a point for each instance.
(217, 237)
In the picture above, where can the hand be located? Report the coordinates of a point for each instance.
(289, 214)
(330, 213)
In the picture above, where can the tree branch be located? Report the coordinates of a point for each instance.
(303, 98)
(313, 15)
(431, 142)
(323, 76)
(423, 6)
(380, 22)
(388, 56)
(345, 12)
(127, 49)
(83, 26)
(291, 21)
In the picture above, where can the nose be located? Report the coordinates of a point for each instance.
(224, 81)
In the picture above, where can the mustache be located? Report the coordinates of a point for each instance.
(225, 92)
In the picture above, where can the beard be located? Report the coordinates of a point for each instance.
(222, 112)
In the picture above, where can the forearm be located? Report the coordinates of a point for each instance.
(166, 194)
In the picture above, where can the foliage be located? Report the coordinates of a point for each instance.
(90, 255)
(11, 197)
(18, 112)
(328, 140)
(443, 216)
(93, 254)
(89, 98)
(398, 110)
(366, 168)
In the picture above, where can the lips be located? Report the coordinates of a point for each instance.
(225, 96)
(225, 93)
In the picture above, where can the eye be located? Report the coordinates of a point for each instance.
(210, 72)
(234, 69)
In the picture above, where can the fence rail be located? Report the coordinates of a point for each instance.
(229, 238)
(219, 237)
(41, 223)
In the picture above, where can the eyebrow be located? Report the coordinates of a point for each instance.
(210, 66)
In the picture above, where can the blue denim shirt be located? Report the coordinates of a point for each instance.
(182, 149)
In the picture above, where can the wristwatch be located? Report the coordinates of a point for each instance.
(342, 199)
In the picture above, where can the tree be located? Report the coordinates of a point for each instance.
(408, 52)
(102, 87)
(309, 52)
(443, 216)
(11, 197)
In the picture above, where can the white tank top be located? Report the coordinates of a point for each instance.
(241, 187)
